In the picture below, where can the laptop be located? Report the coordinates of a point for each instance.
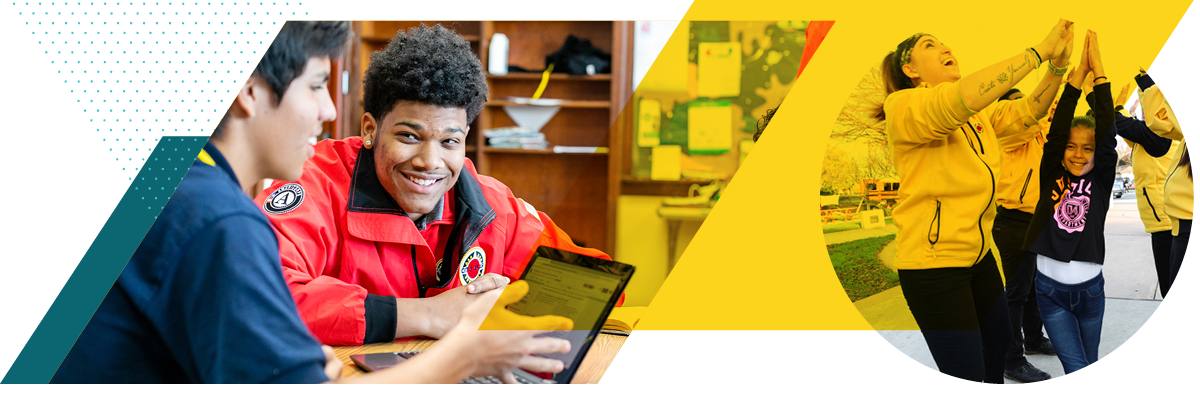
(582, 288)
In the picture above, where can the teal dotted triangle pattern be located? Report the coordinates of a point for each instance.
(129, 72)
(134, 70)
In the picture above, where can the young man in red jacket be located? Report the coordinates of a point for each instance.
(391, 234)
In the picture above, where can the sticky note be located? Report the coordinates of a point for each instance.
(719, 69)
(665, 163)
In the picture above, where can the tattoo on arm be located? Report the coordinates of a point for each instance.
(984, 88)
(1038, 98)
(1004, 76)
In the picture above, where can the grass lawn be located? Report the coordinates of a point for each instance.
(858, 268)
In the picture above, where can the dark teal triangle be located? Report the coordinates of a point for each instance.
(105, 259)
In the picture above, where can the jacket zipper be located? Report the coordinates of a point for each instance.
(937, 219)
(416, 273)
(1152, 210)
(992, 197)
(1026, 187)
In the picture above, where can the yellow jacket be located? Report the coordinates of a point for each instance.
(1149, 177)
(1017, 188)
(948, 158)
(1178, 192)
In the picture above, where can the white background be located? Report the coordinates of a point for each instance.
(60, 182)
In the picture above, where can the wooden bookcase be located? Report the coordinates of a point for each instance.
(578, 191)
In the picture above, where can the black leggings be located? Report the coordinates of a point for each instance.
(963, 316)
(1178, 246)
(1160, 242)
(1023, 316)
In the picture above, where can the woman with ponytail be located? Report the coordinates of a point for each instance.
(947, 132)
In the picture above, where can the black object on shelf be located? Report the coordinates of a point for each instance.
(576, 55)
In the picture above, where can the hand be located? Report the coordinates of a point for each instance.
(500, 318)
(1085, 66)
(1123, 96)
(333, 365)
(1064, 48)
(1050, 47)
(448, 306)
(497, 352)
(1094, 55)
(487, 283)
(1087, 85)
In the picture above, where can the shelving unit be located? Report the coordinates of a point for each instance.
(578, 190)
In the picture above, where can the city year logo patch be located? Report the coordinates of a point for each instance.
(472, 265)
(285, 199)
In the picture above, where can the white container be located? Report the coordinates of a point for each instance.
(498, 55)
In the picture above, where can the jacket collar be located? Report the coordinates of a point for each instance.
(210, 155)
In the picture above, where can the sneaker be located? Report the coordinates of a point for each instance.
(1044, 347)
(1026, 374)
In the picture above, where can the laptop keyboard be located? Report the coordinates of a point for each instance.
(521, 379)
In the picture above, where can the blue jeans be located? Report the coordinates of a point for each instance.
(1073, 315)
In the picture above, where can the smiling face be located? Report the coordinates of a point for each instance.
(1080, 148)
(285, 129)
(419, 152)
(931, 62)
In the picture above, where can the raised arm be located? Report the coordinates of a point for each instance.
(1060, 129)
(1160, 118)
(985, 86)
(1136, 131)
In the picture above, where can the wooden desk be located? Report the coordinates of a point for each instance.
(603, 350)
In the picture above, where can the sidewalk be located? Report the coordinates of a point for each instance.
(1122, 318)
(1130, 284)
(856, 234)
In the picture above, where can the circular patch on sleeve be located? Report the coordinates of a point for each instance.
(472, 265)
(285, 199)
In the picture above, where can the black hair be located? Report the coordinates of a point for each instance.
(294, 45)
(892, 69)
(431, 65)
(1008, 94)
(1186, 161)
(1084, 121)
(762, 123)
(1091, 114)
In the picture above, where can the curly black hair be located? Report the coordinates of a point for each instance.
(431, 65)
(762, 123)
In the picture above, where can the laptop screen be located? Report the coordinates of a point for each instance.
(578, 287)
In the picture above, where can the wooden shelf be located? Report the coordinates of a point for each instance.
(548, 151)
(631, 185)
(568, 104)
(558, 77)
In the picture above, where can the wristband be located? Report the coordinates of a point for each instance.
(1036, 54)
(1057, 70)
(1098, 78)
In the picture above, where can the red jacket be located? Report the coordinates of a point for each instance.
(348, 249)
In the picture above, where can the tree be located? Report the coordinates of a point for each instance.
(840, 172)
